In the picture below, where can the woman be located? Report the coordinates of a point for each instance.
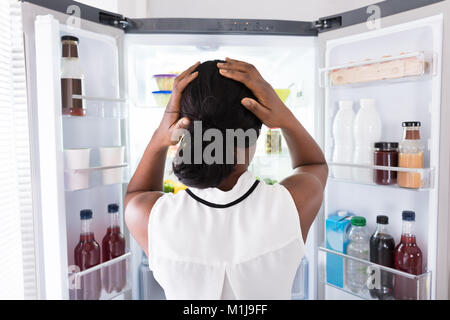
(228, 236)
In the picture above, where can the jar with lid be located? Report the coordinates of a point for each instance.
(385, 154)
(410, 156)
(273, 141)
(71, 78)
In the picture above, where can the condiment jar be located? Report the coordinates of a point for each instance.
(385, 154)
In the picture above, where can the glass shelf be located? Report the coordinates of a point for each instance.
(113, 275)
(400, 285)
(419, 178)
(402, 67)
(101, 107)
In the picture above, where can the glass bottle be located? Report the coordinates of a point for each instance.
(408, 258)
(113, 246)
(273, 141)
(71, 78)
(87, 255)
(410, 156)
(382, 252)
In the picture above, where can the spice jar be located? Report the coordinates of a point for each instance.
(273, 141)
(410, 156)
(385, 154)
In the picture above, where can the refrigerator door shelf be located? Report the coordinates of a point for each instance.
(113, 274)
(408, 286)
(423, 176)
(96, 168)
(102, 107)
(411, 66)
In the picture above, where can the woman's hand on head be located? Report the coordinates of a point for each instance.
(171, 121)
(268, 107)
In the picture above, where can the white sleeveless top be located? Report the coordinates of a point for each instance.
(199, 248)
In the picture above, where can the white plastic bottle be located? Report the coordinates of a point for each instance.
(358, 246)
(366, 131)
(343, 139)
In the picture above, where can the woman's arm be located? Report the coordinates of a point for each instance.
(146, 185)
(308, 181)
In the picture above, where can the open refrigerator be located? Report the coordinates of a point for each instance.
(119, 56)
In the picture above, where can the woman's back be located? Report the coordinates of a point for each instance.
(255, 244)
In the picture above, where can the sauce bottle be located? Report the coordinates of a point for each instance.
(71, 78)
(382, 252)
(408, 258)
(113, 246)
(87, 255)
(410, 156)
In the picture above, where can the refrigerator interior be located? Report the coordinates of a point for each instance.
(285, 62)
(396, 101)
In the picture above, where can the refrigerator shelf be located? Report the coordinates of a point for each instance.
(398, 68)
(404, 285)
(420, 178)
(115, 272)
(96, 168)
(101, 107)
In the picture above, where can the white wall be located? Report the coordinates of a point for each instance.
(306, 10)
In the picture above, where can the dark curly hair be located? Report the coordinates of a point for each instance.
(216, 102)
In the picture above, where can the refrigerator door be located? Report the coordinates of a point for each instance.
(63, 191)
(386, 33)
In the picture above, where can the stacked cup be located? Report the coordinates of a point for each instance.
(112, 156)
(76, 159)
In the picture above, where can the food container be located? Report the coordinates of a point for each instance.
(112, 156)
(162, 97)
(75, 159)
(385, 154)
(165, 81)
(273, 141)
(283, 94)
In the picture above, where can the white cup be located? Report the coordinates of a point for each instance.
(76, 159)
(112, 156)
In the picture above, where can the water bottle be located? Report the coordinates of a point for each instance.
(149, 288)
(300, 284)
(343, 139)
(358, 247)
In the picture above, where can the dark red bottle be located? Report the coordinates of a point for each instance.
(408, 258)
(113, 246)
(87, 255)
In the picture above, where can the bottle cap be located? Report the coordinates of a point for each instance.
(408, 215)
(358, 221)
(386, 145)
(113, 208)
(69, 38)
(85, 214)
(411, 124)
(382, 219)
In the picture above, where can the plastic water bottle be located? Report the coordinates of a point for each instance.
(366, 131)
(343, 139)
(356, 272)
(300, 284)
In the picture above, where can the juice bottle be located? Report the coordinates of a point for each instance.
(87, 255)
(410, 156)
(408, 258)
(113, 246)
(382, 252)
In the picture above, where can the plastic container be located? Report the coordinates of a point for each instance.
(76, 159)
(283, 94)
(366, 131)
(112, 156)
(385, 154)
(273, 141)
(165, 81)
(358, 246)
(300, 285)
(162, 97)
(343, 139)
